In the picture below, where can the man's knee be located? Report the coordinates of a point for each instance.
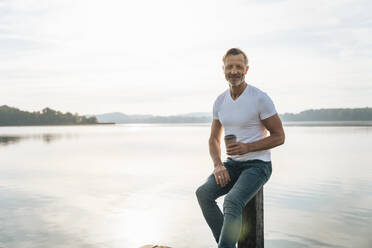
(232, 205)
(201, 192)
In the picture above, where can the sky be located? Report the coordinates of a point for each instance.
(164, 57)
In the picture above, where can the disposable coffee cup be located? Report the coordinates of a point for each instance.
(231, 138)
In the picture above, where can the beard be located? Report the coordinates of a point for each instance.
(235, 79)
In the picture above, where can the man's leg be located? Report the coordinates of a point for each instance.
(207, 195)
(246, 187)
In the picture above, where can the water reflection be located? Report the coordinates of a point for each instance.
(27, 219)
(130, 185)
(299, 242)
(308, 242)
(46, 138)
(8, 140)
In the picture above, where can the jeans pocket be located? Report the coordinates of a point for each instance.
(266, 170)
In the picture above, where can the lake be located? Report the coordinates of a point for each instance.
(128, 185)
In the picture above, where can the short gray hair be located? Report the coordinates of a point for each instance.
(235, 51)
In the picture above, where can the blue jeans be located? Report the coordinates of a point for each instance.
(247, 178)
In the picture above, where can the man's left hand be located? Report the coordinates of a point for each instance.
(237, 148)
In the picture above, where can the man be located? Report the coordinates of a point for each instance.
(246, 112)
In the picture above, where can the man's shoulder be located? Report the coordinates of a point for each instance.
(256, 91)
(221, 96)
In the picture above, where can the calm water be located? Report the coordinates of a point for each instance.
(129, 185)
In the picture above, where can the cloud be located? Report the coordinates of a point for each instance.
(173, 45)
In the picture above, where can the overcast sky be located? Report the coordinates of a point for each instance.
(164, 57)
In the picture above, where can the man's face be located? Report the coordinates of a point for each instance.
(235, 69)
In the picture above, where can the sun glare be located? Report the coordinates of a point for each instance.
(140, 227)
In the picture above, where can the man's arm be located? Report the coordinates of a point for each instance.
(215, 142)
(220, 172)
(274, 125)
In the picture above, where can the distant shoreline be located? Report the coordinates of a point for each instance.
(319, 115)
(288, 124)
(10, 116)
(285, 123)
(327, 123)
(53, 125)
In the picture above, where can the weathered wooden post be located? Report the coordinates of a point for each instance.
(252, 234)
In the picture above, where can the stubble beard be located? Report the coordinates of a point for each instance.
(236, 83)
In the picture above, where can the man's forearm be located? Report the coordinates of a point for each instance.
(266, 143)
(215, 152)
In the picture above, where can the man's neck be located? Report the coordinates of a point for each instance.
(236, 91)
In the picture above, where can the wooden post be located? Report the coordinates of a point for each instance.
(252, 234)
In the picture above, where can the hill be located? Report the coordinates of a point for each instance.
(336, 114)
(119, 118)
(10, 116)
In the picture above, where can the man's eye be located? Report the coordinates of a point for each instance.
(229, 67)
(239, 67)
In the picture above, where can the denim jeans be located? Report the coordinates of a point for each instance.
(247, 178)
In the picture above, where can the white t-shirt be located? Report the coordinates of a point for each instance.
(242, 117)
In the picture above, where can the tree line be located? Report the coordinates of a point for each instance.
(10, 116)
(337, 114)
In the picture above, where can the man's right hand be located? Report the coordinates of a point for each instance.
(221, 175)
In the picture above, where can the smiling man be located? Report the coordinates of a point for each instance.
(248, 113)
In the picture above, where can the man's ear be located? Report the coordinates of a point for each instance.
(246, 69)
(223, 68)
